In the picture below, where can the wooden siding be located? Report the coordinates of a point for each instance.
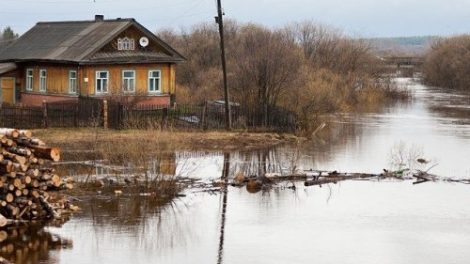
(141, 78)
(57, 81)
(58, 78)
(7, 86)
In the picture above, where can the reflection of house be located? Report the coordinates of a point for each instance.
(168, 164)
(57, 61)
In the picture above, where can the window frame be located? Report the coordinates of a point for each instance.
(123, 81)
(43, 80)
(150, 77)
(73, 88)
(29, 79)
(97, 77)
(126, 44)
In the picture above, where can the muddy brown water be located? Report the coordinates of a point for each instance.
(374, 221)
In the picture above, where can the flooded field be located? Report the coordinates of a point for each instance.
(359, 221)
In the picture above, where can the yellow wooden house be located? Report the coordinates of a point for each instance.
(60, 61)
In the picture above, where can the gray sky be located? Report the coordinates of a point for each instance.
(363, 18)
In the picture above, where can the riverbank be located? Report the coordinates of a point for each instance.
(89, 138)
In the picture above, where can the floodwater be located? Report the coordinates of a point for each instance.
(386, 221)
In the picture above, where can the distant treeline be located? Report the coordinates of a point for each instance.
(304, 67)
(402, 46)
(447, 63)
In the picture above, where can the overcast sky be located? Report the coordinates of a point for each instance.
(361, 18)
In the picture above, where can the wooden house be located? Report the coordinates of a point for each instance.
(59, 61)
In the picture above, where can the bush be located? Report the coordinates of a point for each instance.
(304, 67)
(446, 64)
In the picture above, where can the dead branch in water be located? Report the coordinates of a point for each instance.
(320, 177)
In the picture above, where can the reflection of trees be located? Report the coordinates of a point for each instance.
(457, 115)
(112, 210)
(31, 244)
(292, 158)
(142, 220)
(257, 162)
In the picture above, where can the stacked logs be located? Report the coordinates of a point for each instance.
(26, 177)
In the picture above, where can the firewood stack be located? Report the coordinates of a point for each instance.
(26, 178)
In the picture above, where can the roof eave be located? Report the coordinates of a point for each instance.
(38, 60)
(130, 62)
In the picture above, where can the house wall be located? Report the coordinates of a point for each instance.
(115, 79)
(36, 99)
(58, 83)
(57, 78)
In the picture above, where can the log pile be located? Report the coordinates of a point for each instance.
(26, 178)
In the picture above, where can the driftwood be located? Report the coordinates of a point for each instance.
(319, 177)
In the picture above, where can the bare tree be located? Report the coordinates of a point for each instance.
(266, 67)
(446, 63)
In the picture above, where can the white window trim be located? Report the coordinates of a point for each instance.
(71, 91)
(159, 91)
(133, 79)
(96, 81)
(126, 43)
(42, 88)
(29, 82)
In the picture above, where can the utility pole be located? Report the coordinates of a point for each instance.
(219, 20)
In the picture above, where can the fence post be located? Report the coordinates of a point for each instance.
(62, 117)
(164, 117)
(105, 114)
(75, 116)
(120, 116)
(203, 117)
(44, 114)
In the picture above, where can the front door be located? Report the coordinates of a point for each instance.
(7, 89)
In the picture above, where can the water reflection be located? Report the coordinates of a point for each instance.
(349, 222)
(453, 107)
(31, 244)
(225, 178)
(275, 227)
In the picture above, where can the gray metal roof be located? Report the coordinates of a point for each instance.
(4, 44)
(6, 67)
(129, 57)
(73, 41)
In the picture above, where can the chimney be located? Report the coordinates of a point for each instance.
(99, 17)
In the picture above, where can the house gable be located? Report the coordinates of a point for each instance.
(125, 47)
(134, 34)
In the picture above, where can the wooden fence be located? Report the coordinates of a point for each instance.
(92, 112)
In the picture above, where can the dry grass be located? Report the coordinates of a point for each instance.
(140, 160)
(88, 138)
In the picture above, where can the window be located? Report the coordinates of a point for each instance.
(72, 82)
(126, 44)
(42, 80)
(102, 79)
(128, 81)
(29, 79)
(154, 81)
